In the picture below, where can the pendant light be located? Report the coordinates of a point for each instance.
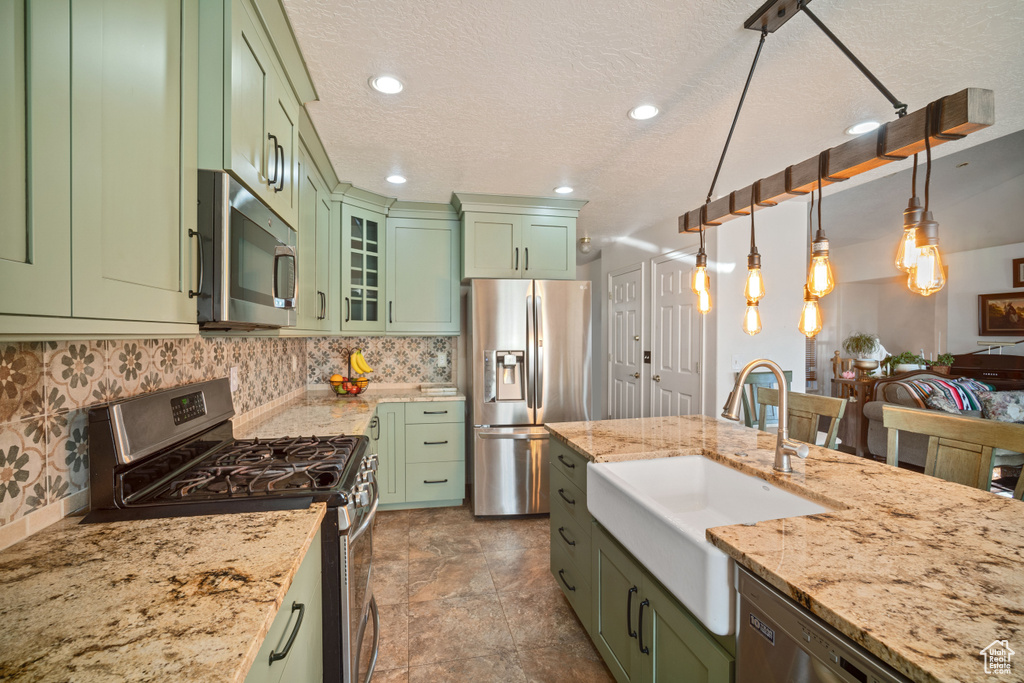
(810, 316)
(754, 289)
(819, 276)
(927, 275)
(906, 255)
(700, 283)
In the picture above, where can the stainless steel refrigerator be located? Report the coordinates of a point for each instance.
(530, 346)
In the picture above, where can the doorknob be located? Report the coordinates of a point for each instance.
(636, 375)
(636, 337)
(657, 378)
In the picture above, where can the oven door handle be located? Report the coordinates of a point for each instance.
(376, 638)
(368, 520)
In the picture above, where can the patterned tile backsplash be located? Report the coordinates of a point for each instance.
(395, 360)
(46, 389)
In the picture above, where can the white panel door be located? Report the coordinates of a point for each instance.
(676, 330)
(625, 341)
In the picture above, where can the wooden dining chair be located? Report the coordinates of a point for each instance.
(805, 413)
(755, 381)
(959, 447)
(839, 366)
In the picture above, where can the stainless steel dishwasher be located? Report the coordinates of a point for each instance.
(780, 642)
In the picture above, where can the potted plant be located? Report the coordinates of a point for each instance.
(861, 346)
(943, 363)
(908, 361)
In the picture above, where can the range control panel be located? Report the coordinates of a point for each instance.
(185, 408)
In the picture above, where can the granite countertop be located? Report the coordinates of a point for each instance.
(320, 412)
(188, 599)
(921, 572)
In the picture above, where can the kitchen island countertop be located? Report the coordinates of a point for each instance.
(921, 572)
(184, 599)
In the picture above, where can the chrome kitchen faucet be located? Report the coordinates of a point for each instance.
(784, 447)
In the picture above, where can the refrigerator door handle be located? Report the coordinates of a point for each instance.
(539, 335)
(528, 371)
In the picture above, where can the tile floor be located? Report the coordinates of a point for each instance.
(467, 599)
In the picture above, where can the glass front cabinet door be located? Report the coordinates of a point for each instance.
(363, 306)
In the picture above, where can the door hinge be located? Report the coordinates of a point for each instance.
(696, 370)
(609, 296)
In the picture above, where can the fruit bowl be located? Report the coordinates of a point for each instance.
(343, 386)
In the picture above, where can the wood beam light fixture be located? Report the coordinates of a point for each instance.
(960, 114)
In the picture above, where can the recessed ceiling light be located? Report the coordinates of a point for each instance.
(395, 179)
(564, 189)
(389, 85)
(643, 112)
(861, 128)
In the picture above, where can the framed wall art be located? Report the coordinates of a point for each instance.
(1018, 272)
(1001, 314)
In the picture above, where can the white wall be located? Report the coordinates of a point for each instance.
(983, 271)
(782, 233)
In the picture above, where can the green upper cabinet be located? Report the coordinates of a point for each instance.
(248, 111)
(518, 237)
(363, 239)
(35, 178)
(316, 225)
(133, 155)
(422, 275)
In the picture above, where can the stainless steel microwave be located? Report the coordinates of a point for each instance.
(248, 277)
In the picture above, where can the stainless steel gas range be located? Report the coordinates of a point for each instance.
(172, 453)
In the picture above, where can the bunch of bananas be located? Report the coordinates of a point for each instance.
(359, 363)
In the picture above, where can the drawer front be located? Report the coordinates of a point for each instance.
(435, 481)
(574, 583)
(305, 591)
(435, 411)
(570, 538)
(567, 498)
(435, 442)
(569, 462)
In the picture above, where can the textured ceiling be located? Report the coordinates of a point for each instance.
(520, 97)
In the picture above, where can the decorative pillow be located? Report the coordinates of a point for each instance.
(962, 392)
(937, 401)
(1003, 406)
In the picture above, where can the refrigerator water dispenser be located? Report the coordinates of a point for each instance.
(503, 376)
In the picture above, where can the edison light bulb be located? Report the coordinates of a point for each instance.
(927, 276)
(810, 316)
(700, 282)
(704, 301)
(754, 290)
(751, 319)
(819, 277)
(906, 256)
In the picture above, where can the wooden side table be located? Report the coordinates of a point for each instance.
(853, 429)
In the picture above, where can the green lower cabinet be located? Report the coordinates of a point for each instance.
(299, 621)
(421, 451)
(391, 452)
(642, 632)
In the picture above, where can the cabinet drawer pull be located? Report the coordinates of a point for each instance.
(435, 481)
(280, 170)
(640, 627)
(561, 532)
(526, 253)
(435, 412)
(565, 462)
(568, 500)
(202, 270)
(561, 575)
(435, 443)
(348, 309)
(517, 259)
(629, 613)
(301, 609)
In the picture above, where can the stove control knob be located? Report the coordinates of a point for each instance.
(362, 496)
(370, 463)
